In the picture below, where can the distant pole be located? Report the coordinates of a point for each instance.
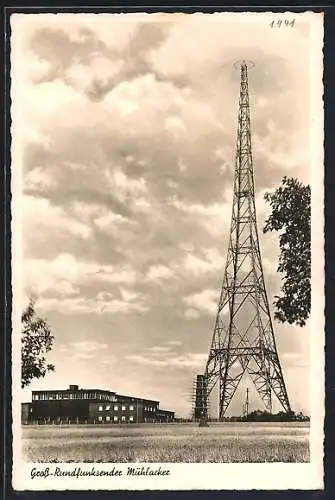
(247, 403)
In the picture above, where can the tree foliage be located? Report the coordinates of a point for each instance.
(291, 217)
(37, 341)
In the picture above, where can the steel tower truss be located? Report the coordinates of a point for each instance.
(243, 338)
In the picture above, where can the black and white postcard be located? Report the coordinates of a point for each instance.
(167, 251)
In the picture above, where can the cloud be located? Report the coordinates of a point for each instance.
(189, 360)
(126, 185)
(165, 355)
(203, 302)
(57, 97)
(175, 126)
(212, 261)
(159, 349)
(51, 218)
(38, 180)
(197, 209)
(99, 72)
(84, 305)
(128, 295)
(81, 351)
(65, 274)
(192, 314)
(109, 360)
(214, 217)
(159, 273)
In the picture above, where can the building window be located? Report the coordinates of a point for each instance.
(115, 418)
(100, 408)
(116, 408)
(108, 407)
(123, 407)
(131, 407)
(100, 418)
(123, 418)
(131, 418)
(108, 418)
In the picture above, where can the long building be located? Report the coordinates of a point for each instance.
(91, 406)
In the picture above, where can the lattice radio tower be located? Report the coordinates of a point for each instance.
(243, 338)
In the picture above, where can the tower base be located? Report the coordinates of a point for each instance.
(203, 422)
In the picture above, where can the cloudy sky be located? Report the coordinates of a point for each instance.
(126, 127)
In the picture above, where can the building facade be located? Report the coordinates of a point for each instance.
(91, 406)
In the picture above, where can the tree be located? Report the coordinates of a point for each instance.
(291, 215)
(37, 341)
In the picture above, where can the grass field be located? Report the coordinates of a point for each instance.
(224, 442)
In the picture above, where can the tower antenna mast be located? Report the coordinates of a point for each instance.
(243, 339)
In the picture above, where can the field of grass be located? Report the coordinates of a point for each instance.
(224, 442)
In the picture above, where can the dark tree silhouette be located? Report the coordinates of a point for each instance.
(37, 341)
(291, 217)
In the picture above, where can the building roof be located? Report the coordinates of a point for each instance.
(105, 391)
(165, 411)
(136, 398)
